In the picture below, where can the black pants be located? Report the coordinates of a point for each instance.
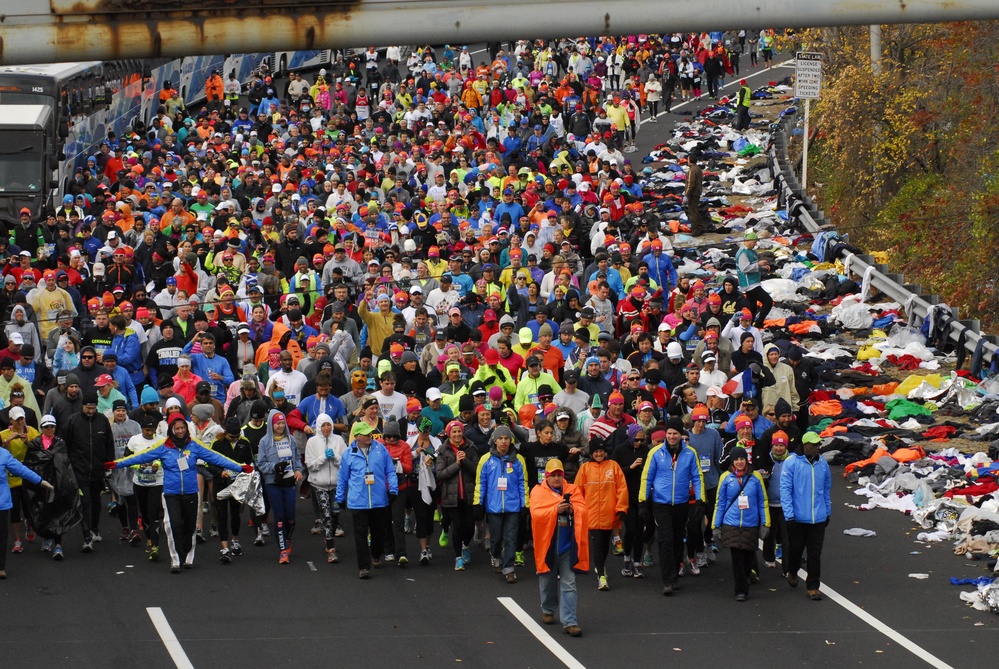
(227, 513)
(742, 119)
(671, 525)
(91, 493)
(735, 63)
(810, 537)
(4, 524)
(668, 97)
(599, 547)
(424, 513)
(637, 532)
(777, 535)
(373, 521)
(654, 107)
(128, 512)
(695, 529)
(462, 526)
(395, 533)
(180, 521)
(150, 501)
(710, 495)
(757, 294)
(742, 565)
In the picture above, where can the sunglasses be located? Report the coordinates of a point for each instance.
(770, 414)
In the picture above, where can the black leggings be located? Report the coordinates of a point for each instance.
(599, 547)
(4, 524)
(395, 533)
(128, 512)
(637, 532)
(462, 526)
(180, 522)
(424, 513)
(227, 512)
(150, 503)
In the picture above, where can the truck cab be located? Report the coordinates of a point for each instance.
(28, 156)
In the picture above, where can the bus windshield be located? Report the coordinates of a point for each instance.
(21, 163)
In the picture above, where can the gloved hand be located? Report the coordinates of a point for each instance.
(479, 512)
(764, 532)
(392, 499)
(110, 466)
(621, 516)
(329, 454)
(247, 469)
(280, 468)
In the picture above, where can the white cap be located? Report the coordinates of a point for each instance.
(172, 402)
(17, 338)
(112, 235)
(434, 394)
(674, 350)
(664, 327)
(715, 391)
(48, 419)
(98, 269)
(16, 413)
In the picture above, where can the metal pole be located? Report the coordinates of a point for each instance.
(804, 151)
(876, 49)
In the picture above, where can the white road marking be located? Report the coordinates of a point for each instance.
(540, 633)
(312, 566)
(169, 639)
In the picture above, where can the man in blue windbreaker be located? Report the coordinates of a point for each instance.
(806, 496)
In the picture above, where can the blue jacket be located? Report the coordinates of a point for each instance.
(129, 351)
(492, 467)
(806, 490)
(350, 486)
(8, 463)
(667, 483)
(202, 364)
(177, 481)
(727, 511)
(661, 270)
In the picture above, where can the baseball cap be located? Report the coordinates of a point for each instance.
(715, 391)
(103, 380)
(554, 465)
(434, 394)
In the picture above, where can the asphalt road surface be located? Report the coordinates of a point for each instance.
(92, 610)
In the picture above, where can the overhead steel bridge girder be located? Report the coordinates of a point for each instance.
(46, 31)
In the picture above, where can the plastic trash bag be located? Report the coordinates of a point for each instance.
(923, 494)
(246, 489)
(55, 516)
(901, 337)
(989, 594)
(852, 314)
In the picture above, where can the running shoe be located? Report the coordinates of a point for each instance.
(444, 540)
(17, 547)
(57, 554)
(602, 583)
(459, 564)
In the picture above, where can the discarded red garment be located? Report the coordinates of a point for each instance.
(940, 431)
(821, 396)
(983, 487)
(905, 361)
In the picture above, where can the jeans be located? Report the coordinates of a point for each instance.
(558, 590)
(503, 532)
(671, 525)
(810, 537)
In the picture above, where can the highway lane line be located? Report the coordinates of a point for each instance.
(903, 641)
(540, 633)
(169, 639)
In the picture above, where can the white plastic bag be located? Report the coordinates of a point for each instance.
(852, 314)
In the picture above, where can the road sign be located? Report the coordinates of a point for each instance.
(807, 75)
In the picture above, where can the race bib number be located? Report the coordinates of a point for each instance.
(705, 463)
(369, 479)
(743, 502)
(501, 483)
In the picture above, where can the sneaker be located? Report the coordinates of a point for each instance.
(466, 555)
(259, 541)
(364, 574)
(602, 583)
(235, 548)
(225, 557)
(88, 546)
(200, 536)
(134, 537)
(57, 554)
(548, 618)
(682, 571)
(95, 537)
(29, 534)
(339, 532)
(154, 554)
(285, 557)
(174, 567)
(754, 577)
(403, 560)
(376, 563)
(125, 534)
(779, 553)
(47, 545)
(518, 558)
(424, 558)
(770, 565)
(511, 578)
(459, 564)
(331, 556)
(444, 540)
(711, 555)
(437, 515)
(213, 530)
(647, 559)
(205, 508)
(266, 530)
(701, 559)
(17, 548)
(618, 547)
(693, 568)
(188, 565)
(638, 571)
(667, 590)
(814, 595)
(496, 564)
(317, 527)
(629, 567)
(407, 525)
(740, 597)
(390, 557)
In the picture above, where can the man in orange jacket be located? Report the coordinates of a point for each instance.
(559, 523)
(605, 490)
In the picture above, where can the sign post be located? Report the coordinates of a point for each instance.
(807, 84)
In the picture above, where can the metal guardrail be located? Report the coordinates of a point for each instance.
(916, 304)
